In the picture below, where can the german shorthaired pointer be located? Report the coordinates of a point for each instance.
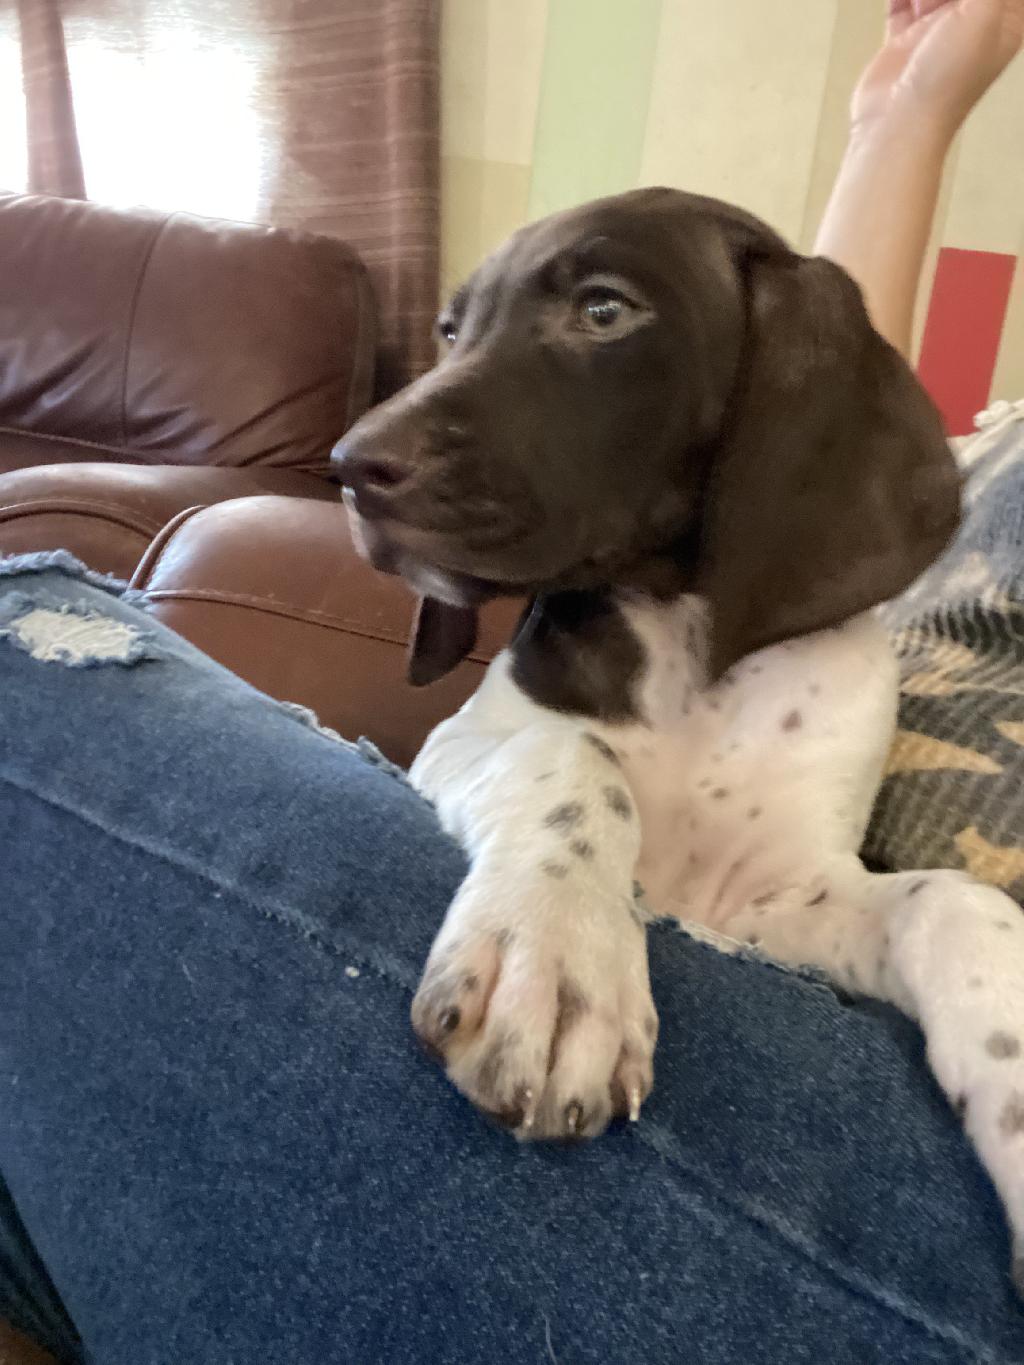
(686, 445)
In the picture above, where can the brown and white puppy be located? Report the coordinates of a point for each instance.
(687, 445)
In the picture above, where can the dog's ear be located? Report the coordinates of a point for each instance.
(442, 636)
(833, 486)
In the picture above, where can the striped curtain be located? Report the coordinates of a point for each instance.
(54, 158)
(316, 114)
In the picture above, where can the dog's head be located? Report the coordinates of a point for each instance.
(654, 390)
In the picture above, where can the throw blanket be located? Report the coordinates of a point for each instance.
(953, 794)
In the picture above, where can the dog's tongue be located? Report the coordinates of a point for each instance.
(442, 636)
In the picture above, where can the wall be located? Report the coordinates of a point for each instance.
(550, 102)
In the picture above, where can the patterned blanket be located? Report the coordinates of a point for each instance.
(953, 794)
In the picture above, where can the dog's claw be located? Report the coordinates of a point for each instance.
(574, 1118)
(634, 1103)
(529, 1110)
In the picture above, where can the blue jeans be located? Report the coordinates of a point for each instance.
(220, 1145)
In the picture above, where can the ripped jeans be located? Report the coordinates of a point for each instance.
(220, 1146)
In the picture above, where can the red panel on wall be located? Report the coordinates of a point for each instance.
(962, 332)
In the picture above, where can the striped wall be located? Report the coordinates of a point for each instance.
(550, 102)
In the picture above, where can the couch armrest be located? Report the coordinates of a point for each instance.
(273, 589)
(107, 514)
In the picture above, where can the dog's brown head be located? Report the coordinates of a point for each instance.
(653, 390)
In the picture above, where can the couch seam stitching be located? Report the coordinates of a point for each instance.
(310, 614)
(70, 506)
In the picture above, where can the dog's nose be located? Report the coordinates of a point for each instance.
(372, 475)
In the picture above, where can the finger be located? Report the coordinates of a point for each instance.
(901, 16)
(922, 8)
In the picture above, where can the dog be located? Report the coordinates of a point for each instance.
(688, 449)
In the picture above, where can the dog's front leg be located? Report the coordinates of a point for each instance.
(535, 995)
(950, 952)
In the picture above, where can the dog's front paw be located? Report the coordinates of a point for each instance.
(536, 1000)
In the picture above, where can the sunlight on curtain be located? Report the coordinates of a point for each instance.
(171, 120)
(13, 149)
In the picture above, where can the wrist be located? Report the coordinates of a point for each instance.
(918, 133)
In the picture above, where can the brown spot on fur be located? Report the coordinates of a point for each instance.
(557, 870)
(470, 982)
(754, 813)
(765, 898)
(817, 900)
(1011, 1120)
(650, 1026)
(1002, 1045)
(960, 1106)
(605, 750)
(720, 793)
(618, 802)
(792, 721)
(1003, 924)
(582, 848)
(564, 817)
(504, 937)
(915, 887)
(491, 1070)
(975, 983)
(572, 1006)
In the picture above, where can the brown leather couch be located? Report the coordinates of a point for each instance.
(170, 391)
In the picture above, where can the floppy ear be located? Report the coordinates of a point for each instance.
(833, 486)
(442, 636)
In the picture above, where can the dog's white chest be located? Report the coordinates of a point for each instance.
(726, 777)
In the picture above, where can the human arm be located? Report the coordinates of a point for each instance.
(938, 59)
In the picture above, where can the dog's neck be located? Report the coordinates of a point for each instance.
(578, 652)
(584, 653)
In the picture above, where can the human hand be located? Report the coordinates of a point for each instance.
(938, 59)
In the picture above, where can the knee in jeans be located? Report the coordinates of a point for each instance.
(77, 635)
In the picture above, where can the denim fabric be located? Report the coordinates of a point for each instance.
(227, 1150)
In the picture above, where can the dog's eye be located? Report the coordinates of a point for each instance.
(599, 310)
(447, 330)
